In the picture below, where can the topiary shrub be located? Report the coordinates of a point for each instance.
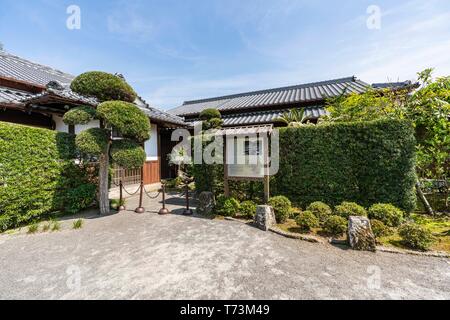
(210, 113)
(282, 207)
(248, 209)
(127, 154)
(347, 209)
(38, 174)
(416, 237)
(93, 141)
(79, 115)
(379, 228)
(126, 118)
(80, 198)
(307, 220)
(227, 207)
(104, 86)
(294, 212)
(335, 225)
(389, 214)
(321, 210)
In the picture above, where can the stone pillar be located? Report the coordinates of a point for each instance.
(206, 203)
(264, 218)
(360, 235)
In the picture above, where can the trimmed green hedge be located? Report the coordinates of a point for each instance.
(38, 175)
(363, 162)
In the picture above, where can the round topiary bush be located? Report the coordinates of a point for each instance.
(127, 154)
(282, 207)
(103, 86)
(209, 114)
(389, 214)
(294, 212)
(335, 225)
(379, 228)
(307, 220)
(347, 209)
(93, 141)
(227, 207)
(416, 237)
(79, 115)
(126, 118)
(248, 209)
(321, 210)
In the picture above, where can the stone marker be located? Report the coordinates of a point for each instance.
(206, 203)
(360, 235)
(265, 217)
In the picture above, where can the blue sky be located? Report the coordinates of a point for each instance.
(172, 51)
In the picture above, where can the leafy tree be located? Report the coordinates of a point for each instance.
(428, 108)
(211, 118)
(293, 117)
(115, 111)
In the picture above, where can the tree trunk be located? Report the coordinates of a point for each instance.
(104, 183)
(424, 200)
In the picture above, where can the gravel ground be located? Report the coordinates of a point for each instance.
(130, 256)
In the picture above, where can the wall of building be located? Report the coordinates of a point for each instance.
(151, 145)
(62, 127)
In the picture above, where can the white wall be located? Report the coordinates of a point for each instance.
(151, 145)
(62, 127)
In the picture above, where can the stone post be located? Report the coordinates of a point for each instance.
(265, 217)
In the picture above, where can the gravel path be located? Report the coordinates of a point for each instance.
(148, 256)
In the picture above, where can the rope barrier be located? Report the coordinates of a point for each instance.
(130, 194)
(151, 197)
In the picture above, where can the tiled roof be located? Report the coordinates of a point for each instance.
(13, 96)
(266, 116)
(17, 68)
(395, 85)
(303, 93)
(12, 66)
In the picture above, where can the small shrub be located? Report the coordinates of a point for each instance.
(33, 228)
(248, 209)
(78, 224)
(92, 141)
(294, 212)
(209, 114)
(55, 225)
(307, 220)
(80, 198)
(227, 207)
(321, 210)
(379, 228)
(335, 225)
(46, 227)
(347, 209)
(282, 207)
(389, 214)
(116, 203)
(79, 115)
(416, 237)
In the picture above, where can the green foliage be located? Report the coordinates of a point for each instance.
(93, 141)
(307, 220)
(248, 209)
(282, 207)
(228, 207)
(55, 225)
(103, 86)
(294, 212)
(78, 224)
(80, 198)
(116, 203)
(416, 237)
(321, 210)
(211, 118)
(79, 115)
(127, 154)
(347, 209)
(293, 117)
(389, 214)
(379, 228)
(364, 162)
(335, 225)
(126, 118)
(33, 228)
(209, 114)
(37, 170)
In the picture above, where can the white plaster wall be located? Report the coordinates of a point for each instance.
(151, 145)
(62, 127)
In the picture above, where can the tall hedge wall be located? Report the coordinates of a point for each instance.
(38, 175)
(366, 162)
